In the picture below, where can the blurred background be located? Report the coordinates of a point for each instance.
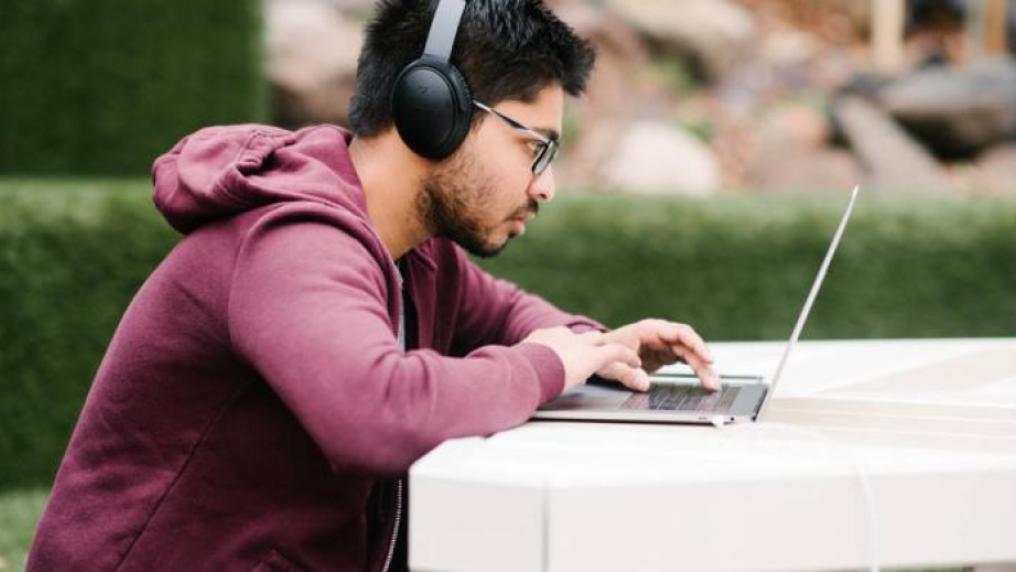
(699, 97)
(703, 97)
(700, 180)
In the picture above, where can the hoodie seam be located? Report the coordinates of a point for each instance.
(247, 152)
(236, 262)
(183, 468)
(257, 225)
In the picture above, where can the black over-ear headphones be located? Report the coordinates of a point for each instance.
(431, 103)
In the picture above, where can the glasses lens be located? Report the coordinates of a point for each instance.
(547, 153)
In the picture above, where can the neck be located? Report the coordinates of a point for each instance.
(391, 176)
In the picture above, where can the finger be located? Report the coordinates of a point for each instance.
(634, 378)
(702, 369)
(655, 358)
(671, 332)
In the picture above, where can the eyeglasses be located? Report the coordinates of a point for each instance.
(546, 148)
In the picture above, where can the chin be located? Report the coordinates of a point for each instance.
(488, 249)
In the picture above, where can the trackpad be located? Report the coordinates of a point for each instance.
(588, 396)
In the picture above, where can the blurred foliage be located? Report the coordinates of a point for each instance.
(700, 128)
(102, 86)
(739, 268)
(73, 252)
(571, 129)
(673, 74)
(19, 513)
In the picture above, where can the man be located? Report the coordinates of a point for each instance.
(319, 328)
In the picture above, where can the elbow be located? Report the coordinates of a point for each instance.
(381, 453)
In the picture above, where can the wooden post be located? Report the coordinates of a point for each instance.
(887, 34)
(996, 24)
(974, 29)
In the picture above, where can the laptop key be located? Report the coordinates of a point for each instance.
(636, 401)
(720, 401)
(682, 398)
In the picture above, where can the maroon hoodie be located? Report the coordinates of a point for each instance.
(254, 406)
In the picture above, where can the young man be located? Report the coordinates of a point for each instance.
(319, 328)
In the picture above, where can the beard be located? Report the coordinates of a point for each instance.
(452, 202)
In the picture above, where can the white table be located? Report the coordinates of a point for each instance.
(899, 452)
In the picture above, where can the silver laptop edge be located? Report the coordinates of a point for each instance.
(594, 403)
(803, 317)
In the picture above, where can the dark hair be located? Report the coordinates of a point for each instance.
(506, 49)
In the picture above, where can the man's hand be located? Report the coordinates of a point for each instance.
(659, 343)
(584, 354)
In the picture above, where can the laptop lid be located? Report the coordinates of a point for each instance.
(808, 302)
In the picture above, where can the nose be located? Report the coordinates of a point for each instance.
(542, 187)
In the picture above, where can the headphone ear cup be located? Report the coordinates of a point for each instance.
(431, 107)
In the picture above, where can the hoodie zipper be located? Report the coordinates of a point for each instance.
(400, 270)
(395, 529)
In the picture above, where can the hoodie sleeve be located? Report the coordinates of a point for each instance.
(494, 311)
(308, 309)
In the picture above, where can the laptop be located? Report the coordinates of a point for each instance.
(680, 398)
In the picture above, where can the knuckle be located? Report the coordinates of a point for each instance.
(649, 324)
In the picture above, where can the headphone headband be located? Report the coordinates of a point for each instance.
(431, 104)
(444, 28)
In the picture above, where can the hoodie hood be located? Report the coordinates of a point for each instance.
(219, 172)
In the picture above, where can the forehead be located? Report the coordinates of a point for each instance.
(544, 112)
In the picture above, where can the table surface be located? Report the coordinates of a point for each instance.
(896, 452)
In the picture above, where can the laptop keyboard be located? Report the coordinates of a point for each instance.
(683, 398)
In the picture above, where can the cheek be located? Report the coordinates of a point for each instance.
(505, 160)
(503, 189)
(513, 178)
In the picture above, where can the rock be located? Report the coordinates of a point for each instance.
(655, 158)
(791, 48)
(311, 59)
(893, 161)
(995, 171)
(800, 126)
(790, 153)
(805, 169)
(593, 120)
(716, 34)
(599, 26)
(619, 49)
(957, 112)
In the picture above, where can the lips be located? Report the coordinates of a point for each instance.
(525, 217)
(526, 213)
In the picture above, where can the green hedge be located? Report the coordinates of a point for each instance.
(72, 253)
(102, 86)
(19, 514)
(71, 256)
(739, 268)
